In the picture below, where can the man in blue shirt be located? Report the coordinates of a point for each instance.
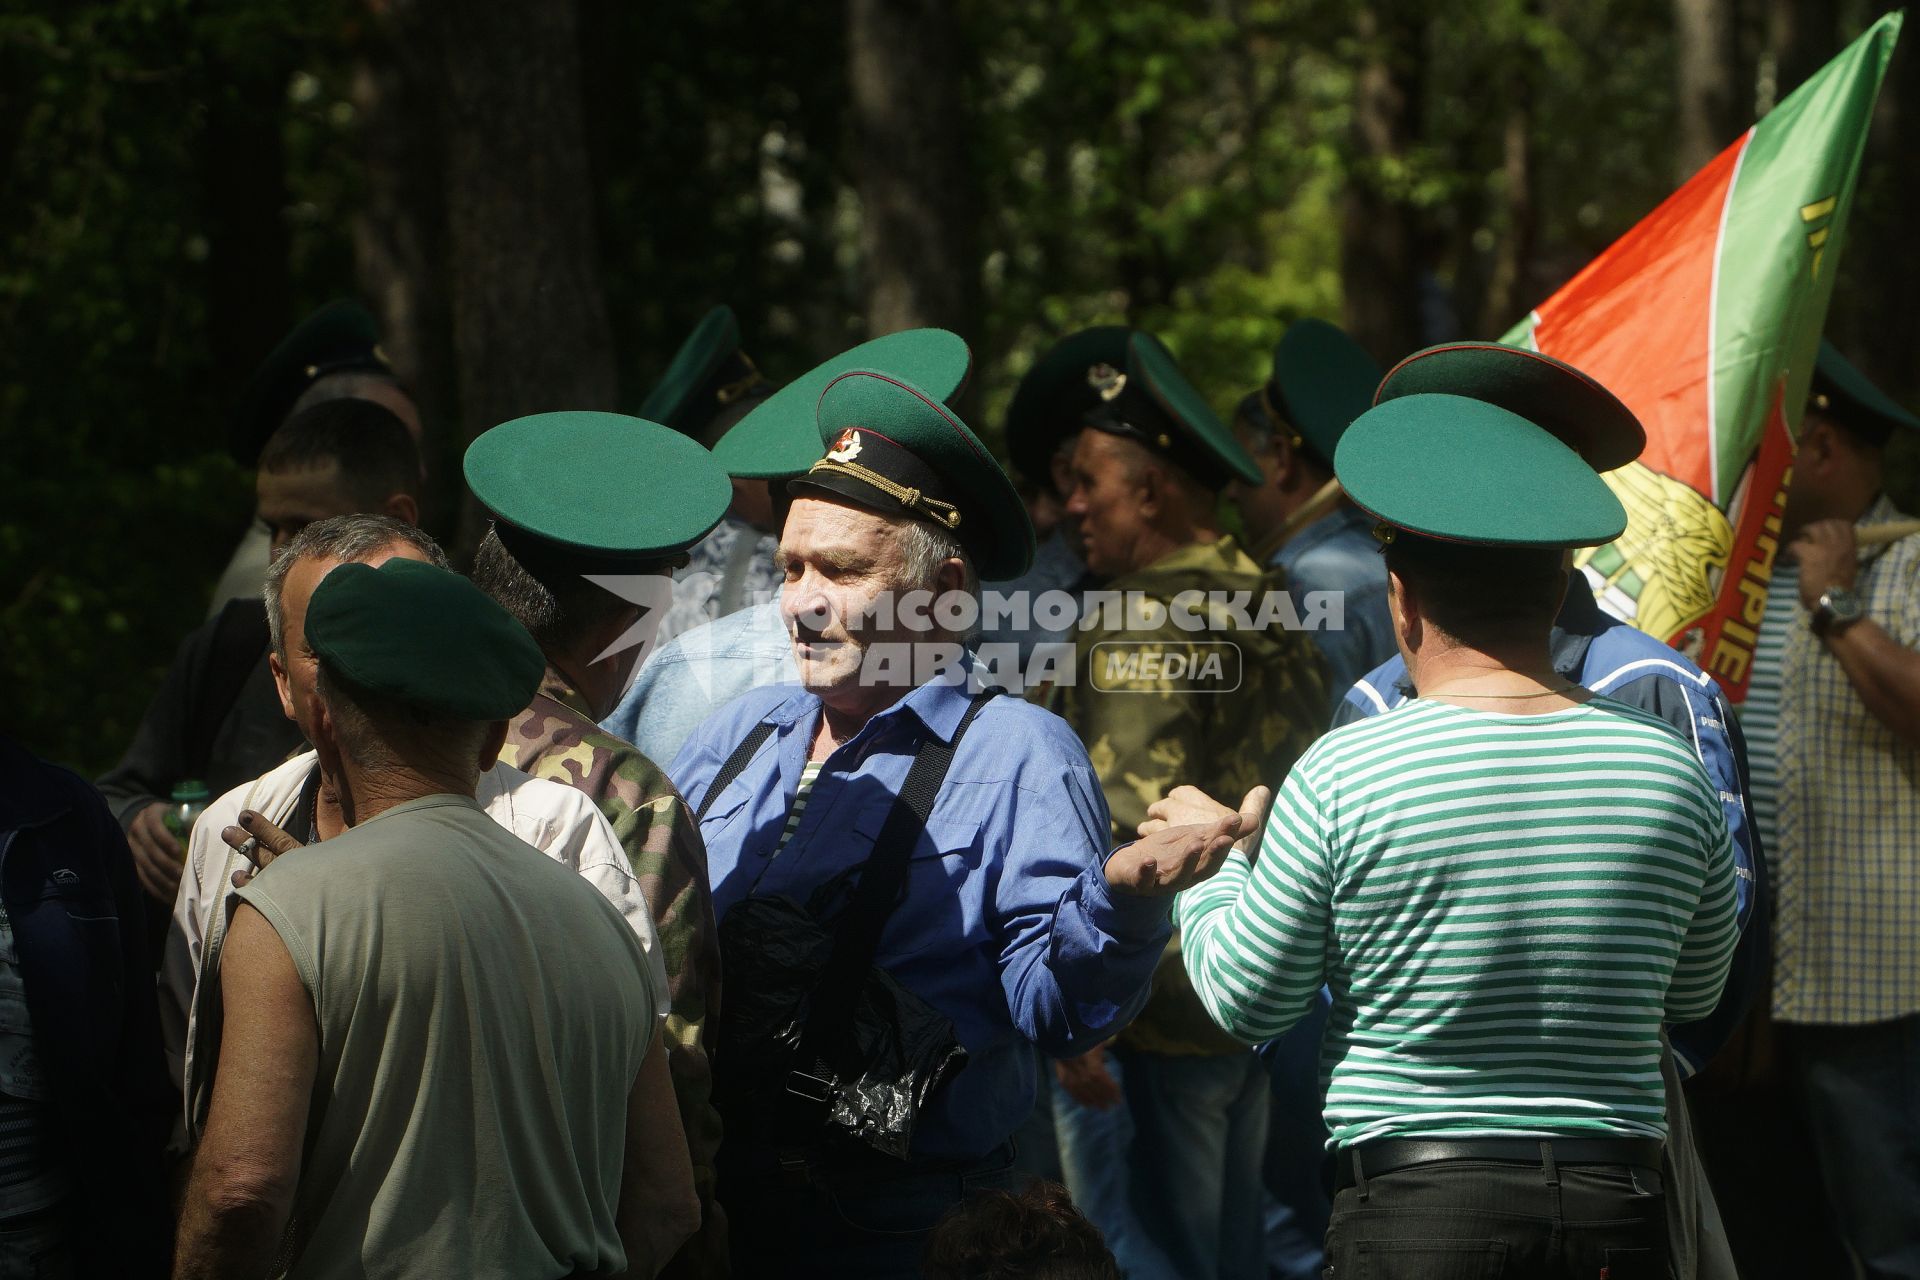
(695, 673)
(1013, 923)
(1296, 517)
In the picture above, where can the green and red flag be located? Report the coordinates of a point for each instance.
(1705, 319)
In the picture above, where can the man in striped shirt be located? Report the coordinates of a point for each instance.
(1508, 886)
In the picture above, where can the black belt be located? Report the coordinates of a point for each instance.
(1390, 1154)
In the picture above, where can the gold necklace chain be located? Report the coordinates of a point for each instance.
(1538, 693)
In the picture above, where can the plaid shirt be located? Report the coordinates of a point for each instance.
(1847, 893)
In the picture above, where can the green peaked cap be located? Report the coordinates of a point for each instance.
(1549, 393)
(1052, 401)
(425, 637)
(1154, 405)
(338, 338)
(707, 374)
(780, 436)
(600, 487)
(894, 448)
(1463, 470)
(1322, 380)
(1845, 394)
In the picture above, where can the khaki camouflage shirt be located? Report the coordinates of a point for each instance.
(1192, 692)
(554, 738)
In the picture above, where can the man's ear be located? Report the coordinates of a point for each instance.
(404, 508)
(950, 576)
(492, 744)
(326, 742)
(1403, 606)
(280, 683)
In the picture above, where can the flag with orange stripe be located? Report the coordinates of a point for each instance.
(1704, 319)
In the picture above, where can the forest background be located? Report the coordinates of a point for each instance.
(539, 200)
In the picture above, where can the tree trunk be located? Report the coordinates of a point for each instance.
(1710, 111)
(1379, 230)
(244, 175)
(1877, 320)
(530, 329)
(916, 199)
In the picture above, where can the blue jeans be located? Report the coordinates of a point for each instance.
(1297, 1205)
(1862, 1086)
(1093, 1148)
(1200, 1129)
(867, 1218)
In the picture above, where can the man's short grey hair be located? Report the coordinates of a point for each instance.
(349, 539)
(925, 549)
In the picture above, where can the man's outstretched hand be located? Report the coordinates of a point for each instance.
(1174, 857)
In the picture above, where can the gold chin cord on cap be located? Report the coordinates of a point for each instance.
(732, 391)
(941, 512)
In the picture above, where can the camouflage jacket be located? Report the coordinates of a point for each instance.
(1187, 692)
(554, 738)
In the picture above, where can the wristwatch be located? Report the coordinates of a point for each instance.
(1837, 609)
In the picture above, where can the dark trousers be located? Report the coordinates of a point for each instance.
(867, 1217)
(1862, 1090)
(1481, 1219)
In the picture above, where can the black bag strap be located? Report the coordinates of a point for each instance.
(735, 765)
(828, 1034)
(239, 641)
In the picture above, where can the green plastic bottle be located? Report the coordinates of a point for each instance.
(189, 801)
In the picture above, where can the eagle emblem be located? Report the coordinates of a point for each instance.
(846, 446)
(1107, 380)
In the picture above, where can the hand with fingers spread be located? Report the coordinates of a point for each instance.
(259, 841)
(1173, 858)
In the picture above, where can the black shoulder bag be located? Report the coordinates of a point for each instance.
(818, 1046)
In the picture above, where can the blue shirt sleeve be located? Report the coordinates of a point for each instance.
(1077, 960)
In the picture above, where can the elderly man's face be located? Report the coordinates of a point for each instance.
(289, 501)
(838, 561)
(297, 675)
(1108, 500)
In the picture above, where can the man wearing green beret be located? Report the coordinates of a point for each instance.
(215, 718)
(583, 566)
(1175, 688)
(297, 803)
(709, 386)
(431, 1025)
(1509, 886)
(1002, 923)
(1833, 718)
(1295, 516)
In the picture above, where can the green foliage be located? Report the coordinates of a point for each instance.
(1173, 166)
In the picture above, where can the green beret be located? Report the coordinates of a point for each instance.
(338, 338)
(1322, 380)
(1844, 394)
(603, 488)
(780, 436)
(1154, 405)
(896, 449)
(708, 373)
(1052, 401)
(426, 637)
(1549, 393)
(1463, 470)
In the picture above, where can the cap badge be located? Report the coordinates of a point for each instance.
(1107, 380)
(846, 446)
